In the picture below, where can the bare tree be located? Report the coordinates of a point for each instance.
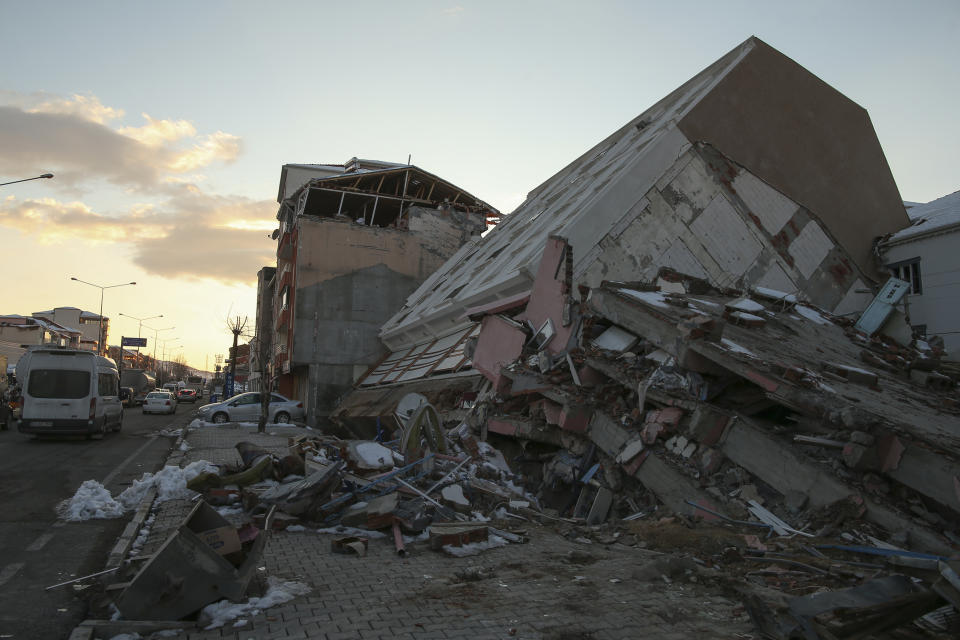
(179, 368)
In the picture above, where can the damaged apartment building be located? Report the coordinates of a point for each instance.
(753, 173)
(354, 241)
(670, 320)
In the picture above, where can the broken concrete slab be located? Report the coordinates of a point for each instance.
(456, 534)
(186, 573)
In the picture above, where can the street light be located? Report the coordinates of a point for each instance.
(140, 321)
(163, 358)
(155, 332)
(46, 175)
(100, 337)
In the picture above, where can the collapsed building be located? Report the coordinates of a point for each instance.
(354, 241)
(669, 324)
(753, 173)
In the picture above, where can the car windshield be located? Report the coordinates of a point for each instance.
(157, 395)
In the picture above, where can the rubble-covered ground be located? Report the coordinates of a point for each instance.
(691, 462)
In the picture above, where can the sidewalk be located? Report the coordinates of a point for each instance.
(550, 588)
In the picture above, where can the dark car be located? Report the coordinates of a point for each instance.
(186, 395)
(127, 396)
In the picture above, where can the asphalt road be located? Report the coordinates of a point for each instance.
(36, 549)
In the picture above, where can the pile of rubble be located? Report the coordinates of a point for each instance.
(759, 443)
(809, 462)
(758, 429)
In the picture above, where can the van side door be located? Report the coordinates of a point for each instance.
(108, 392)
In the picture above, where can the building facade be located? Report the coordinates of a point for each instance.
(94, 330)
(752, 174)
(927, 255)
(354, 241)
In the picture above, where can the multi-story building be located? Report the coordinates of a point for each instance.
(752, 174)
(261, 352)
(354, 241)
(93, 329)
(17, 332)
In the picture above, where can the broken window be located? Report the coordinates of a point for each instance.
(908, 271)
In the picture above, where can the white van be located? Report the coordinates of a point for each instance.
(68, 391)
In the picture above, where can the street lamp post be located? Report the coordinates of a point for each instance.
(155, 332)
(140, 322)
(45, 175)
(163, 358)
(100, 337)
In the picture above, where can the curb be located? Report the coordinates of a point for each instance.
(88, 629)
(122, 547)
(123, 544)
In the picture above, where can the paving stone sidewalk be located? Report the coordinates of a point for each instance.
(550, 588)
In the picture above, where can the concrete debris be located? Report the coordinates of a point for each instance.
(686, 418)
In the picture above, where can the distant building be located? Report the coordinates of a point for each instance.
(262, 351)
(354, 241)
(927, 255)
(17, 332)
(86, 322)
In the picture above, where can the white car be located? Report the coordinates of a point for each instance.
(246, 408)
(160, 402)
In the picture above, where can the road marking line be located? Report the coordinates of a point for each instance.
(133, 456)
(39, 542)
(9, 571)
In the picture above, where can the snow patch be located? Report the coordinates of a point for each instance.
(475, 548)
(773, 294)
(733, 346)
(93, 501)
(374, 454)
(811, 314)
(746, 304)
(352, 531)
(278, 592)
(654, 298)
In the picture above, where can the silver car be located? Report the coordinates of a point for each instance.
(159, 402)
(246, 408)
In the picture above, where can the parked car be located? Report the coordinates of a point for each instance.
(160, 402)
(245, 407)
(186, 395)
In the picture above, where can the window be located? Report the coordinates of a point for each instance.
(285, 298)
(908, 271)
(106, 384)
(58, 383)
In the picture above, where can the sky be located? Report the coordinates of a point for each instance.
(166, 125)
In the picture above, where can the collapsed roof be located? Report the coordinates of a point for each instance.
(376, 191)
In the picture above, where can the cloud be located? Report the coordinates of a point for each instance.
(74, 149)
(77, 139)
(177, 231)
(87, 107)
(218, 146)
(452, 11)
(191, 234)
(157, 132)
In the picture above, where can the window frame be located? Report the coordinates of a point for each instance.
(908, 271)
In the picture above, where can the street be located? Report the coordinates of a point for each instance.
(36, 549)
